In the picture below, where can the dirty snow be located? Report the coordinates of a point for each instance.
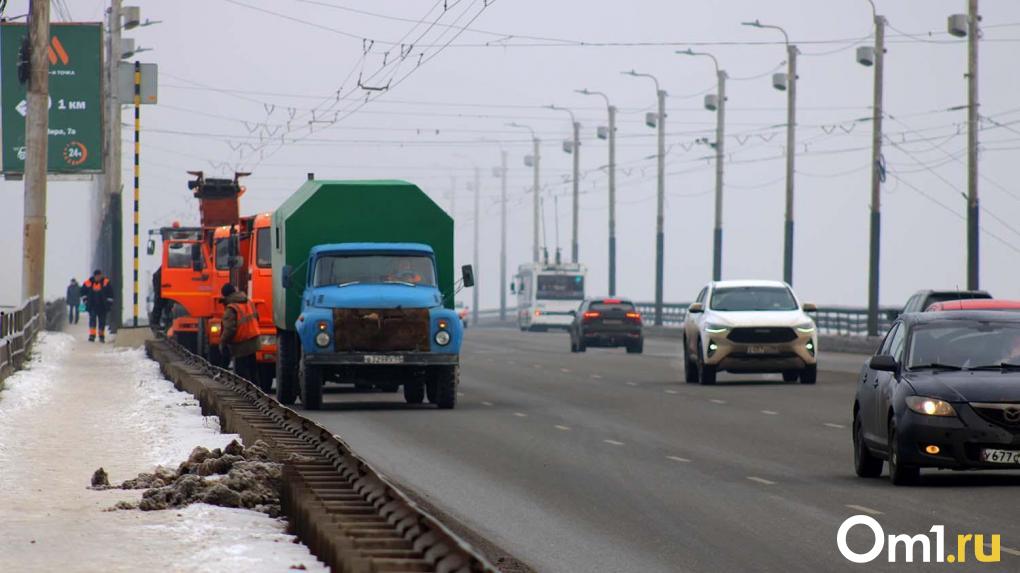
(80, 406)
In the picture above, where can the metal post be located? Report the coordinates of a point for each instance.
(660, 208)
(33, 266)
(536, 254)
(577, 176)
(973, 207)
(502, 238)
(474, 291)
(791, 153)
(137, 188)
(612, 200)
(113, 169)
(876, 179)
(720, 155)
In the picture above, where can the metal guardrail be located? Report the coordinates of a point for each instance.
(18, 327)
(348, 514)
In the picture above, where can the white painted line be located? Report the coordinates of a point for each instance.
(613, 442)
(1006, 550)
(486, 403)
(631, 383)
(671, 391)
(863, 509)
(536, 365)
(837, 426)
(677, 459)
(564, 428)
(596, 376)
(761, 480)
(769, 413)
(520, 414)
(565, 370)
(717, 401)
(511, 362)
(461, 394)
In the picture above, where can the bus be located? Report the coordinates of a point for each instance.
(548, 294)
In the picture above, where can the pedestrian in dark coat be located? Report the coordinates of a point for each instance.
(73, 299)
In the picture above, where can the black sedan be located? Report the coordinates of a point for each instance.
(943, 391)
(606, 322)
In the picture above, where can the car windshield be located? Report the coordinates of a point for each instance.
(560, 287)
(376, 268)
(965, 344)
(752, 298)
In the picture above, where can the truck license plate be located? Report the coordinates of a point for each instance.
(383, 359)
(1011, 457)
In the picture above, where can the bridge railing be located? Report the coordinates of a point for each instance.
(18, 328)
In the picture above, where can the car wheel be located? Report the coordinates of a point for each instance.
(573, 345)
(809, 374)
(636, 347)
(580, 345)
(899, 473)
(790, 376)
(706, 373)
(414, 392)
(866, 465)
(690, 366)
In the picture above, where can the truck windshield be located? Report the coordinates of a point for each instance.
(360, 269)
(560, 287)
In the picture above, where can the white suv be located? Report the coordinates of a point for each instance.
(749, 327)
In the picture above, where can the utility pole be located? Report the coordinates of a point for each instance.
(791, 154)
(575, 148)
(973, 206)
(474, 291)
(113, 167)
(875, 250)
(502, 237)
(33, 265)
(536, 207)
(611, 136)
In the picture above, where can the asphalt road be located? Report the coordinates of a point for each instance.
(606, 461)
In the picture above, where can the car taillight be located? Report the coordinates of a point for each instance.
(591, 314)
(635, 316)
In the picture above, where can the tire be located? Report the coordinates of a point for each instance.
(899, 474)
(866, 465)
(310, 380)
(414, 392)
(264, 373)
(442, 386)
(636, 347)
(706, 373)
(573, 346)
(809, 375)
(690, 366)
(187, 340)
(217, 358)
(790, 376)
(286, 368)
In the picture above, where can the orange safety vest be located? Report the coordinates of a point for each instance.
(247, 322)
(96, 286)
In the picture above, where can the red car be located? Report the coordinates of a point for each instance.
(974, 304)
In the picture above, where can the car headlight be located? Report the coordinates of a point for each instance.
(930, 406)
(715, 328)
(322, 339)
(806, 328)
(442, 338)
(267, 340)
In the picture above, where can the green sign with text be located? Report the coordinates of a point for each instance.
(75, 131)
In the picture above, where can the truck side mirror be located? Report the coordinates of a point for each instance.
(468, 274)
(150, 247)
(196, 257)
(285, 273)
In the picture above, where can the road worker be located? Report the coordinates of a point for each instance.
(98, 295)
(240, 331)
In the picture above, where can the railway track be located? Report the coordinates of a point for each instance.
(349, 515)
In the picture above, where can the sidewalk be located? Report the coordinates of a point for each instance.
(83, 405)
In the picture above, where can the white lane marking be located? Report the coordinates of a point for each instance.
(837, 426)
(717, 401)
(631, 383)
(511, 362)
(536, 365)
(863, 509)
(520, 414)
(486, 403)
(1007, 550)
(761, 480)
(564, 428)
(613, 442)
(565, 370)
(596, 376)
(769, 413)
(677, 459)
(461, 394)
(671, 391)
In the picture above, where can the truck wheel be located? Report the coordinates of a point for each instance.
(264, 373)
(442, 386)
(414, 392)
(187, 340)
(286, 366)
(311, 386)
(217, 358)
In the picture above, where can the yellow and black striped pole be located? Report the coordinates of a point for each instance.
(138, 148)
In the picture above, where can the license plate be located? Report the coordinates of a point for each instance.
(760, 349)
(383, 359)
(1000, 456)
(612, 321)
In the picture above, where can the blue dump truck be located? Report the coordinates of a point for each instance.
(363, 287)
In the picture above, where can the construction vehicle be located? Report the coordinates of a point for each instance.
(363, 292)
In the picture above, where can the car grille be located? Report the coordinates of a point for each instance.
(762, 334)
(384, 330)
(1006, 415)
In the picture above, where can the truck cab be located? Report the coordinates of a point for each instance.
(373, 313)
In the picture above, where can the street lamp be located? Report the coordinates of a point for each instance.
(966, 25)
(787, 82)
(501, 173)
(575, 148)
(660, 121)
(610, 134)
(718, 105)
(535, 161)
(477, 191)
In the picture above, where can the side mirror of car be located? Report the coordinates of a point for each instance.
(695, 308)
(883, 363)
(150, 247)
(810, 307)
(468, 275)
(196, 257)
(285, 273)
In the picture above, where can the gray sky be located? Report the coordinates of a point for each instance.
(229, 72)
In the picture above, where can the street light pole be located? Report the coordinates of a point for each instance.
(502, 237)
(474, 291)
(874, 256)
(611, 137)
(33, 267)
(791, 143)
(661, 194)
(576, 150)
(536, 208)
(720, 154)
(973, 206)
